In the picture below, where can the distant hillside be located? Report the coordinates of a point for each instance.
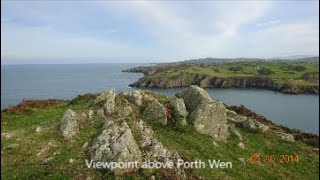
(210, 60)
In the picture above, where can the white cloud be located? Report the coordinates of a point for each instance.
(268, 23)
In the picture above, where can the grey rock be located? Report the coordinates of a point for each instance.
(6, 135)
(234, 131)
(193, 96)
(100, 113)
(13, 145)
(254, 125)
(137, 97)
(241, 145)
(115, 144)
(156, 112)
(69, 125)
(231, 114)
(211, 119)
(207, 115)
(107, 100)
(242, 160)
(90, 114)
(154, 150)
(286, 137)
(179, 111)
(38, 129)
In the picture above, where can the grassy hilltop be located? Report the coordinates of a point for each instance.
(287, 77)
(33, 148)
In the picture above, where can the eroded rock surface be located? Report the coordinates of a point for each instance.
(116, 144)
(207, 115)
(180, 112)
(156, 112)
(137, 97)
(69, 125)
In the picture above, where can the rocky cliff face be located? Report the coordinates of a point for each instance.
(225, 82)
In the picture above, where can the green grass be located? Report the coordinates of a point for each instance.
(23, 162)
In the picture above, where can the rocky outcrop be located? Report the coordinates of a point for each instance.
(179, 111)
(137, 97)
(208, 81)
(155, 151)
(247, 122)
(69, 125)
(115, 144)
(107, 101)
(193, 96)
(156, 112)
(207, 115)
(286, 137)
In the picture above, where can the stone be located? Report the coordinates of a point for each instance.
(286, 137)
(115, 144)
(254, 125)
(242, 160)
(47, 160)
(193, 96)
(211, 119)
(69, 125)
(215, 144)
(6, 135)
(71, 161)
(207, 115)
(38, 129)
(13, 145)
(137, 97)
(90, 114)
(154, 150)
(100, 113)
(231, 114)
(180, 112)
(107, 101)
(234, 131)
(156, 112)
(241, 145)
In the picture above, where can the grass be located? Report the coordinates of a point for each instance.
(282, 72)
(24, 163)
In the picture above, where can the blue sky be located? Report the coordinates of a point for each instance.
(155, 31)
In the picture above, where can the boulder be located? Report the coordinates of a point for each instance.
(286, 137)
(207, 115)
(107, 99)
(193, 96)
(69, 125)
(115, 144)
(125, 109)
(154, 150)
(90, 114)
(255, 126)
(234, 131)
(156, 112)
(179, 111)
(211, 119)
(137, 97)
(241, 145)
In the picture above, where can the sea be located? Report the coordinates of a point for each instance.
(66, 81)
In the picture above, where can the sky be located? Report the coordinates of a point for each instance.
(46, 32)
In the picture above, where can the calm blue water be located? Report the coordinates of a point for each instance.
(67, 81)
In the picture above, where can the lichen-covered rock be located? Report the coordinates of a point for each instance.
(254, 125)
(207, 115)
(90, 114)
(156, 112)
(241, 145)
(193, 96)
(100, 113)
(116, 144)
(234, 131)
(107, 98)
(137, 97)
(286, 137)
(179, 111)
(154, 150)
(69, 125)
(125, 109)
(211, 119)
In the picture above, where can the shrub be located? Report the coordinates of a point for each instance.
(264, 71)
